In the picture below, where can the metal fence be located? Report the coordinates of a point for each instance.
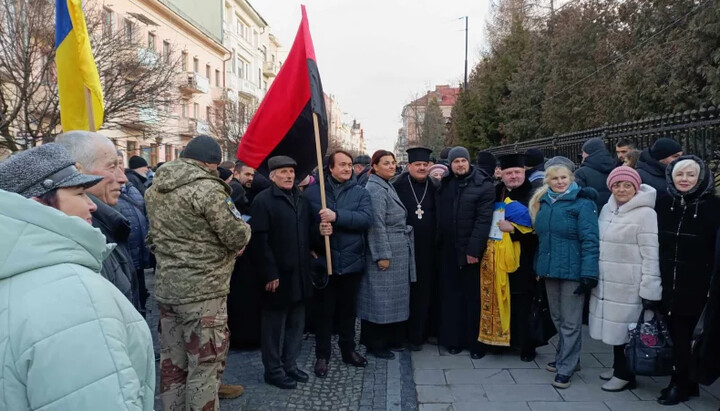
(698, 131)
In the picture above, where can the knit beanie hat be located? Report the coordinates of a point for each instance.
(203, 148)
(444, 153)
(534, 157)
(224, 173)
(137, 162)
(486, 162)
(438, 167)
(458, 152)
(664, 147)
(560, 161)
(593, 145)
(624, 173)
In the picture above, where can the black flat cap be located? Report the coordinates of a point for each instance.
(280, 162)
(418, 154)
(363, 159)
(511, 160)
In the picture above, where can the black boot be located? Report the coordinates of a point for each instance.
(673, 396)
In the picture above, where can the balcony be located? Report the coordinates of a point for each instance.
(192, 127)
(270, 69)
(221, 95)
(195, 83)
(248, 89)
(147, 58)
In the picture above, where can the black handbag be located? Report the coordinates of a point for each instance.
(540, 325)
(650, 349)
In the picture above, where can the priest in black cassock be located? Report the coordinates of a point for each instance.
(515, 185)
(417, 192)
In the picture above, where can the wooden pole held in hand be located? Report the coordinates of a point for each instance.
(89, 107)
(321, 177)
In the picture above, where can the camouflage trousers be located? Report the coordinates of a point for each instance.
(193, 347)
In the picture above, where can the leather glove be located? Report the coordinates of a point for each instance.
(650, 305)
(586, 284)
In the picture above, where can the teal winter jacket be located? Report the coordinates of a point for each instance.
(568, 232)
(69, 340)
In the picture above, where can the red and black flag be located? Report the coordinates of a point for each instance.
(283, 124)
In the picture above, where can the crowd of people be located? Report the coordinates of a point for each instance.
(449, 251)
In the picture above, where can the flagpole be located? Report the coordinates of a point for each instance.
(321, 177)
(89, 108)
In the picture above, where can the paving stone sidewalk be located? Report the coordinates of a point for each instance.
(382, 385)
(504, 383)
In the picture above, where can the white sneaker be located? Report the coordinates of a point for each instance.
(616, 384)
(607, 375)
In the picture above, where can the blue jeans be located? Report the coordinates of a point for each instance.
(566, 310)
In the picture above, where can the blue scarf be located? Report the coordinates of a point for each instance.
(556, 196)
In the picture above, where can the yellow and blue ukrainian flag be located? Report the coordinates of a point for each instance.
(76, 68)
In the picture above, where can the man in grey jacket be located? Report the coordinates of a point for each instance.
(95, 154)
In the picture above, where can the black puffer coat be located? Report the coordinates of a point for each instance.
(594, 173)
(687, 229)
(464, 213)
(652, 173)
(353, 207)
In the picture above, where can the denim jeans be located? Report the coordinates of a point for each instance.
(566, 310)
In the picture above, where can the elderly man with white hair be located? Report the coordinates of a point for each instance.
(95, 154)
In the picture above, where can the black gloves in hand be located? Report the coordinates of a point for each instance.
(650, 305)
(586, 284)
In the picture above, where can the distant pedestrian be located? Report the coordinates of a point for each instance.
(535, 167)
(622, 149)
(195, 233)
(437, 172)
(566, 222)
(70, 339)
(653, 163)
(596, 166)
(631, 159)
(384, 298)
(137, 173)
(361, 168)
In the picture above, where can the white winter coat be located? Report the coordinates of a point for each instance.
(629, 268)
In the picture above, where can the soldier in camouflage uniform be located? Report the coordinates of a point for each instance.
(195, 233)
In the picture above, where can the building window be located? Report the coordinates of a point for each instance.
(129, 32)
(183, 109)
(168, 152)
(108, 25)
(217, 78)
(151, 42)
(196, 110)
(207, 71)
(255, 38)
(259, 77)
(196, 64)
(208, 113)
(183, 63)
(153, 154)
(234, 62)
(166, 51)
(131, 147)
(241, 68)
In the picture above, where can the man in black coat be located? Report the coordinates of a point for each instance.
(283, 233)
(349, 209)
(596, 166)
(465, 202)
(515, 186)
(535, 167)
(417, 193)
(653, 163)
(137, 173)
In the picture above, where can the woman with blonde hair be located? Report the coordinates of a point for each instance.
(566, 222)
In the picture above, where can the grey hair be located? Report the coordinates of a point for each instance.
(82, 146)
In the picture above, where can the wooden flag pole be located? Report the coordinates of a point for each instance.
(321, 177)
(89, 107)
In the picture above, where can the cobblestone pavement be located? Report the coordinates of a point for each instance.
(382, 385)
(503, 382)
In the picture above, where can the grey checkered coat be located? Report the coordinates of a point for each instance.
(384, 296)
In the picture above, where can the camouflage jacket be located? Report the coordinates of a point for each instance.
(195, 232)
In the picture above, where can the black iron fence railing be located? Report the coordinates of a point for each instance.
(698, 131)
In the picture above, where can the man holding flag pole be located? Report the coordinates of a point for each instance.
(280, 139)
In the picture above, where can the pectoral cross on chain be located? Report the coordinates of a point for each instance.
(419, 212)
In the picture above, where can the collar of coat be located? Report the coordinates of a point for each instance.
(582, 192)
(109, 220)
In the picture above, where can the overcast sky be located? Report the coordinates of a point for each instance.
(376, 55)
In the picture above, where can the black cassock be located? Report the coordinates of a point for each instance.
(423, 293)
(522, 281)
